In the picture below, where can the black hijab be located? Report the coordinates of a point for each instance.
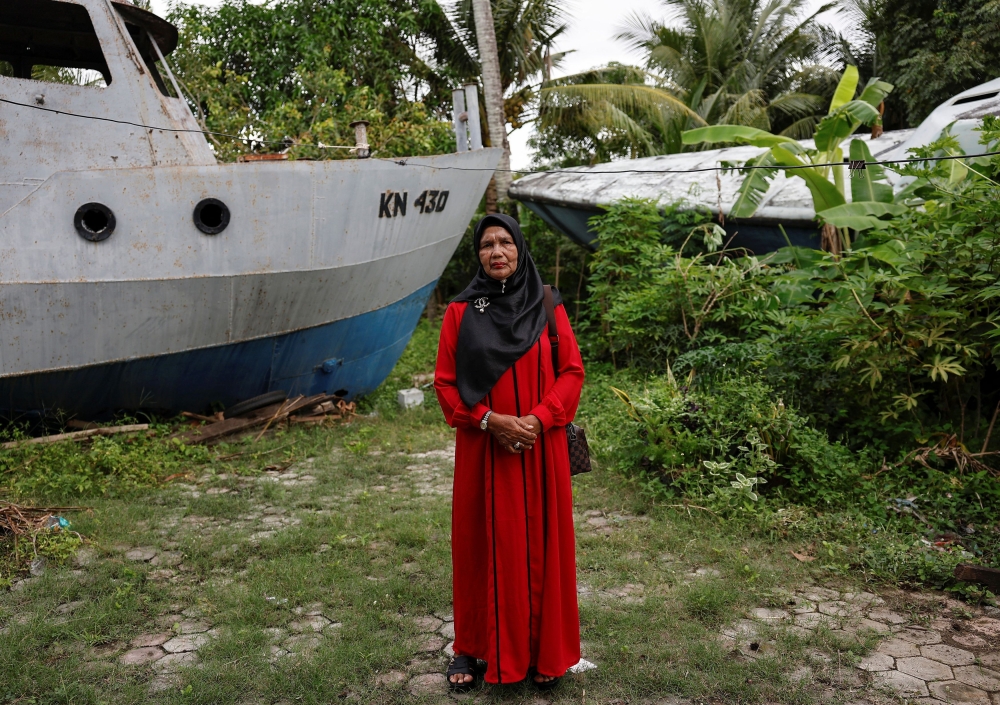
(503, 319)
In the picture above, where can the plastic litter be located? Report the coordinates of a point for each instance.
(57, 522)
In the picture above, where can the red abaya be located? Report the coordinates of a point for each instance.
(513, 549)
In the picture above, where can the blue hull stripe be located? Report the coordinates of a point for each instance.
(363, 351)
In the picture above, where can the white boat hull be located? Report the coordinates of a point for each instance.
(310, 247)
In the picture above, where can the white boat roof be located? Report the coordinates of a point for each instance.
(671, 178)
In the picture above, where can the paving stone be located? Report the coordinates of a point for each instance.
(190, 626)
(876, 662)
(820, 594)
(813, 620)
(68, 607)
(887, 616)
(390, 679)
(992, 660)
(315, 623)
(800, 632)
(427, 623)
(146, 654)
(872, 625)
(164, 682)
(161, 574)
(803, 607)
(863, 598)
(901, 682)
(448, 630)
(449, 649)
(948, 654)
(924, 668)
(190, 642)
(955, 693)
(920, 637)
(972, 641)
(171, 663)
(141, 554)
(167, 558)
(770, 615)
(986, 626)
(84, 557)
(302, 642)
(742, 629)
(978, 677)
(150, 640)
(431, 643)
(445, 616)
(838, 608)
(428, 684)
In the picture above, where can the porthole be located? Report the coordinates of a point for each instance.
(211, 216)
(94, 222)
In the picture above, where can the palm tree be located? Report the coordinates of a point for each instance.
(741, 62)
(511, 58)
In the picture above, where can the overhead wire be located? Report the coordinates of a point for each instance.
(574, 170)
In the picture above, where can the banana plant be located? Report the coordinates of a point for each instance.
(821, 167)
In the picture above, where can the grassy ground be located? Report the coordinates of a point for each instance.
(314, 567)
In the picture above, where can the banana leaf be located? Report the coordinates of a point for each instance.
(860, 216)
(875, 91)
(825, 195)
(736, 133)
(843, 122)
(869, 184)
(754, 186)
(846, 88)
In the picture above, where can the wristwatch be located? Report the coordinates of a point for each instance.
(486, 418)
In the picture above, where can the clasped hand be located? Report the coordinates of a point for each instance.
(510, 430)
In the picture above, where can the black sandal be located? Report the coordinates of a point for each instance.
(545, 685)
(462, 666)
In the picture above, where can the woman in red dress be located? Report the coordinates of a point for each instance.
(513, 549)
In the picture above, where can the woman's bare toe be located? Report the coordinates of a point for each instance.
(539, 678)
(460, 678)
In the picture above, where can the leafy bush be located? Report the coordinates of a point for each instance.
(864, 385)
(107, 466)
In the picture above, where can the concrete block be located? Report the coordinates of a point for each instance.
(409, 398)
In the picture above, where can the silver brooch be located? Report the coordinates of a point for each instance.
(481, 303)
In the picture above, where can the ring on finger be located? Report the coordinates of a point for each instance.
(517, 445)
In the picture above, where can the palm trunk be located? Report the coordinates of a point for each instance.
(492, 92)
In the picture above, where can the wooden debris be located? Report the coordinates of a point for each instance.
(21, 521)
(80, 435)
(314, 409)
(988, 577)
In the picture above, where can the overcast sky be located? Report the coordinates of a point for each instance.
(592, 27)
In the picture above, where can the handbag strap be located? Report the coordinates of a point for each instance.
(550, 314)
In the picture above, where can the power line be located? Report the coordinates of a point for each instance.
(576, 170)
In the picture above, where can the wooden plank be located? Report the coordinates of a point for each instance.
(79, 435)
(989, 577)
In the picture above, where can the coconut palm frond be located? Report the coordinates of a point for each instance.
(801, 129)
(641, 99)
(797, 105)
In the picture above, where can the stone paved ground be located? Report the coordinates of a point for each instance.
(954, 658)
(943, 652)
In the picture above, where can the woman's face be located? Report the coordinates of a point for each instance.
(497, 252)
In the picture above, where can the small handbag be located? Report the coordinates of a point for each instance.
(576, 437)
